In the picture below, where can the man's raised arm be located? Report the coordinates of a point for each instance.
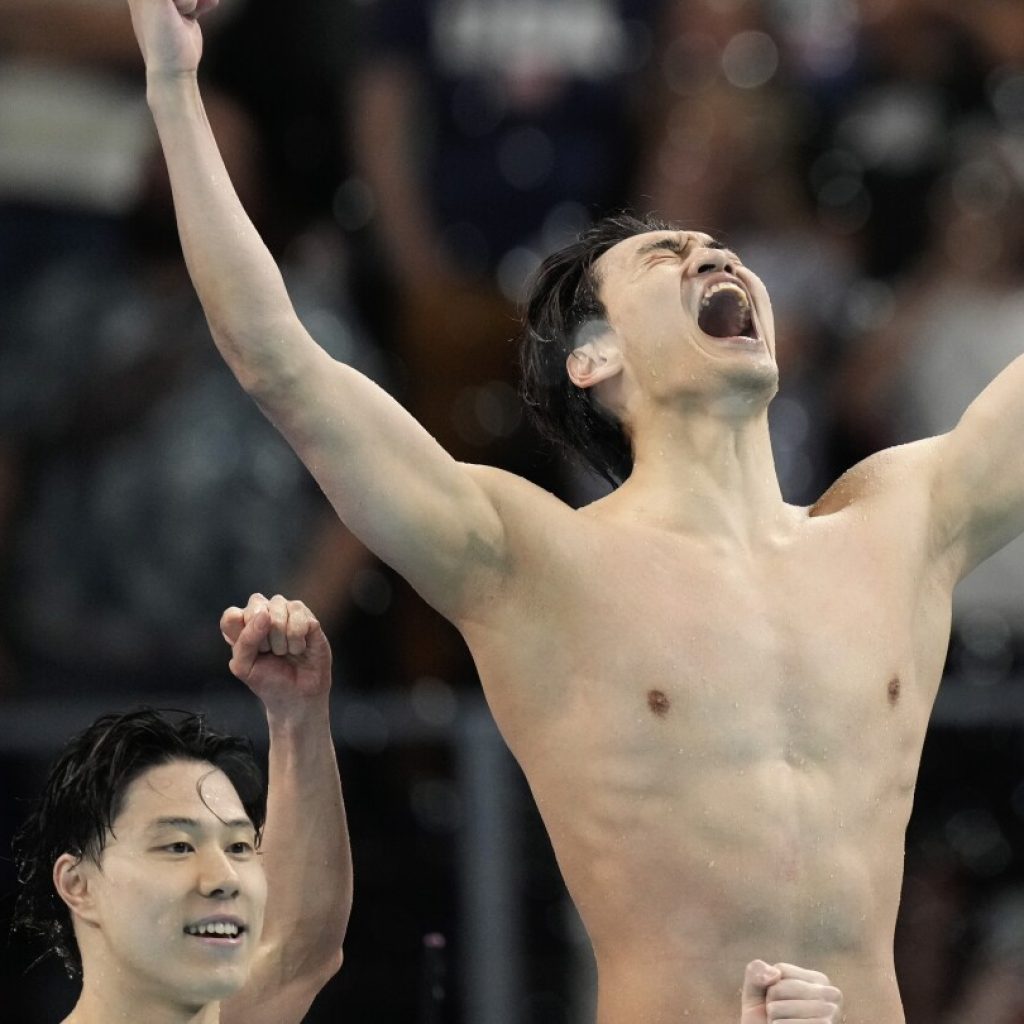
(280, 652)
(394, 487)
(978, 475)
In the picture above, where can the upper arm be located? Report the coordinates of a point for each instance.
(271, 997)
(425, 514)
(978, 474)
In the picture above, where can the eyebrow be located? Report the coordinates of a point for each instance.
(193, 824)
(673, 244)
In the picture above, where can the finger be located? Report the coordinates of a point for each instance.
(802, 973)
(278, 625)
(756, 979)
(204, 7)
(231, 624)
(253, 605)
(298, 627)
(248, 646)
(185, 7)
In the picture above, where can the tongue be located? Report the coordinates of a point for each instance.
(724, 316)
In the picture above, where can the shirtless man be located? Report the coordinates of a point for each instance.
(719, 699)
(142, 869)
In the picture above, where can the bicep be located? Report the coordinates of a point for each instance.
(978, 488)
(391, 483)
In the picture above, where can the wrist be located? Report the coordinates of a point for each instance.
(165, 85)
(299, 714)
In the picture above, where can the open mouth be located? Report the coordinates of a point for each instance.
(725, 312)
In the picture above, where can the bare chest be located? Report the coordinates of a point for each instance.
(798, 649)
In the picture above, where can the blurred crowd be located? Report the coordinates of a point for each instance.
(409, 163)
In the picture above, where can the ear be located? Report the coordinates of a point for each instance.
(71, 877)
(595, 359)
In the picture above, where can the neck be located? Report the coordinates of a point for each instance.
(118, 1000)
(709, 471)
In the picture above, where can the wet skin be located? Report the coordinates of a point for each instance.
(181, 854)
(721, 715)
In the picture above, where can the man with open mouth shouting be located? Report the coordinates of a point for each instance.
(719, 699)
(146, 865)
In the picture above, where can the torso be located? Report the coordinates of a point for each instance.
(724, 744)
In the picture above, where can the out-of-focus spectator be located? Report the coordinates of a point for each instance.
(140, 457)
(725, 156)
(945, 334)
(486, 134)
(74, 128)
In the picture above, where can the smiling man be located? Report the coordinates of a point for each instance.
(719, 699)
(147, 867)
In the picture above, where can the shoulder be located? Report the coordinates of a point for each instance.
(893, 477)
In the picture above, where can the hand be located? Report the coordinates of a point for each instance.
(168, 33)
(279, 651)
(784, 994)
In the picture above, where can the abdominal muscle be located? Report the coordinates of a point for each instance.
(684, 876)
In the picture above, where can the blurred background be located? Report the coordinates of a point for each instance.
(409, 163)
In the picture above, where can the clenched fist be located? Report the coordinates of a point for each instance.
(784, 994)
(169, 35)
(279, 651)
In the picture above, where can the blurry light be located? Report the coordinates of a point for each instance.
(562, 224)
(353, 205)
(833, 163)
(978, 840)
(363, 728)
(330, 331)
(1006, 93)
(841, 190)
(481, 414)
(790, 422)
(750, 59)
(987, 642)
(526, 157)
(869, 305)
(980, 185)
(497, 409)
(688, 66)
(436, 805)
(822, 34)
(433, 701)
(514, 271)
(849, 217)
(899, 127)
(371, 591)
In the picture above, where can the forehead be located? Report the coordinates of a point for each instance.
(624, 253)
(180, 789)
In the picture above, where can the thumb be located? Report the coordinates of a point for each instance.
(757, 979)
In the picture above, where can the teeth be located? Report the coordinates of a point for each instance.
(214, 928)
(721, 286)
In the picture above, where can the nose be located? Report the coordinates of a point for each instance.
(218, 878)
(714, 260)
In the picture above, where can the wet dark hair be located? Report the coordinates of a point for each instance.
(85, 791)
(561, 303)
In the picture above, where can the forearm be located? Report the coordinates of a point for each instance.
(238, 282)
(305, 845)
